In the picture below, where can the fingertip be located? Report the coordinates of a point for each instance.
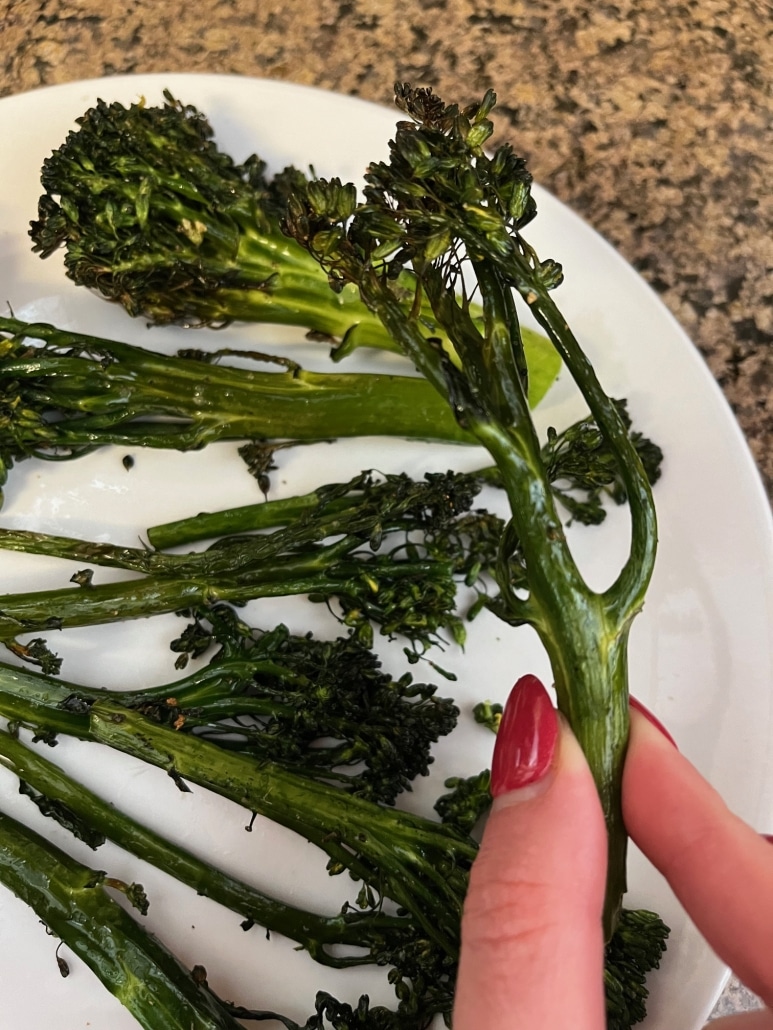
(535, 902)
(655, 779)
(717, 865)
(638, 706)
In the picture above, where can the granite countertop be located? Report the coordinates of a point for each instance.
(651, 119)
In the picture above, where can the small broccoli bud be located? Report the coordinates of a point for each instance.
(635, 949)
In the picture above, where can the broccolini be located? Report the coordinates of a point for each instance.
(396, 855)
(455, 213)
(67, 393)
(361, 558)
(440, 215)
(325, 708)
(154, 216)
(71, 901)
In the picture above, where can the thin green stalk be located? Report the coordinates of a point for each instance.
(400, 590)
(246, 518)
(442, 203)
(316, 933)
(58, 609)
(419, 864)
(77, 391)
(71, 900)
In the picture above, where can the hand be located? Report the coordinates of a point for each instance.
(532, 947)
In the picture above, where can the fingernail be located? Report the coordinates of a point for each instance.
(634, 703)
(526, 738)
(768, 837)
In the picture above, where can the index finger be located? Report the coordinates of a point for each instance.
(719, 867)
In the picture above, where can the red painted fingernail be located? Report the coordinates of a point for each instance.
(526, 738)
(768, 837)
(634, 703)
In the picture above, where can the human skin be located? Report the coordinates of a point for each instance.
(532, 948)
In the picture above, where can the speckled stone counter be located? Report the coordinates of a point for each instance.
(650, 118)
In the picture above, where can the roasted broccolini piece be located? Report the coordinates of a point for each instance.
(456, 213)
(154, 216)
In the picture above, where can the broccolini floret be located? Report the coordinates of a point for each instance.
(155, 216)
(325, 708)
(580, 466)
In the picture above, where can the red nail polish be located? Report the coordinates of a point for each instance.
(634, 703)
(768, 837)
(526, 738)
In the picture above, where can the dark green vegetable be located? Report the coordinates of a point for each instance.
(635, 949)
(331, 1014)
(73, 904)
(407, 588)
(154, 216)
(71, 901)
(379, 938)
(398, 856)
(419, 864)
(67, 393)
(447, 207)
(439, 209)
(323, 708)
(580, 466)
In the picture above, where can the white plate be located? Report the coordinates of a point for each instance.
(700, 653)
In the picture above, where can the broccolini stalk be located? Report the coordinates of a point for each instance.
(420, 864)
(412, 598)
(445, 496)
(379, 937)
(407, 589)
(423, 971)
(69, 393)
(442, 204)
(72, 902)
(153, 215)
(580, 466)
(323, 708)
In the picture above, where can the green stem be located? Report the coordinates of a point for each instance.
(72, 902)
(585, 633)
(626, 596)
(47, 610)
(314, 932)
(583, 636)
(420, 864)
(98, 394)
(245, 519)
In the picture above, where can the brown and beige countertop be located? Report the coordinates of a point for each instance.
(652, 119)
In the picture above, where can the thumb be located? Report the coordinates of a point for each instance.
(532, 943)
